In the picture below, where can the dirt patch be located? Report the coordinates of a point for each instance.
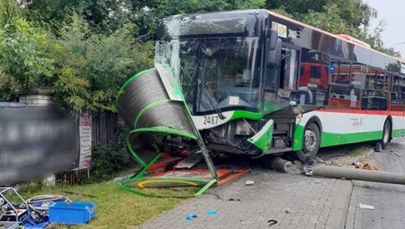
(359, 155)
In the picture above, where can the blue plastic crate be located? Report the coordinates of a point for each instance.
(71, 212)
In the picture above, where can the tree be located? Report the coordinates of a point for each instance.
(93, 66)
(24, 60)
(350, 17)
(374, 39)
(104, 16)
(337, 16)
(329, 20)
(150, 12)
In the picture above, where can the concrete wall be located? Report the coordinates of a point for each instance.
(35, 100)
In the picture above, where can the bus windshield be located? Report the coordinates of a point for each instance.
(215, 73)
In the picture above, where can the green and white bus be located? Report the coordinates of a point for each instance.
(259, 83)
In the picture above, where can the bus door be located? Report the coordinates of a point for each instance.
(288, 75)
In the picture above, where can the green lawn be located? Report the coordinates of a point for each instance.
(116, 208)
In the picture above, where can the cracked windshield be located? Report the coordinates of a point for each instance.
(219, 73)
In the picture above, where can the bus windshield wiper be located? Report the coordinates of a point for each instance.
(211, 100)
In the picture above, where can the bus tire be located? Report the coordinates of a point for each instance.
(310, 143)
(386, 134)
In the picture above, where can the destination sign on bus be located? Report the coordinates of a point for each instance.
(283, 30)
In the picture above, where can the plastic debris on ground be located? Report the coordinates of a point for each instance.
(71, 212)
(212, 212)
(191, 216)
(365, 206)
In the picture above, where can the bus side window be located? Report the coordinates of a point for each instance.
(356, 76)
(314, 76)
(343, 93)
(375, 90)
(396, 94)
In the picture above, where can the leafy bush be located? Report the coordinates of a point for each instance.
(92, 67)
(109, 160)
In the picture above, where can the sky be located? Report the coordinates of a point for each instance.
(393, 13)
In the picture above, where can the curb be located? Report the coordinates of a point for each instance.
(338, 213)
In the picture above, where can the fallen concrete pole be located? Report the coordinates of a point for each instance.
(285, 166)
(355, 174)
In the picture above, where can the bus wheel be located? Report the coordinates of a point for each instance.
(386, 134)
(310, 144)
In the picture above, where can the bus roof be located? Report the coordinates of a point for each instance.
(342, 37)
(241, 22)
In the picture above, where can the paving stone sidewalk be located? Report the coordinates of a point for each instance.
(294, 201)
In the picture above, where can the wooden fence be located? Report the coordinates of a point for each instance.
(104, 127)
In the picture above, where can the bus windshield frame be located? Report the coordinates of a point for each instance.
(216, 73)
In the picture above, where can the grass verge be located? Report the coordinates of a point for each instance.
(116, 208)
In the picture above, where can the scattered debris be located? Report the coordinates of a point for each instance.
(190, 161)
(365, 206)
(308, 172)
(272, 222)
(191, 216)
(365, 166)
(212, 212)
(232, 199)
(39, 211)
(397, 154)
(249, 183)
(11, 214)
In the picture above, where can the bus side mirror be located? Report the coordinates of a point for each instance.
(273, 39)
(274, 55)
